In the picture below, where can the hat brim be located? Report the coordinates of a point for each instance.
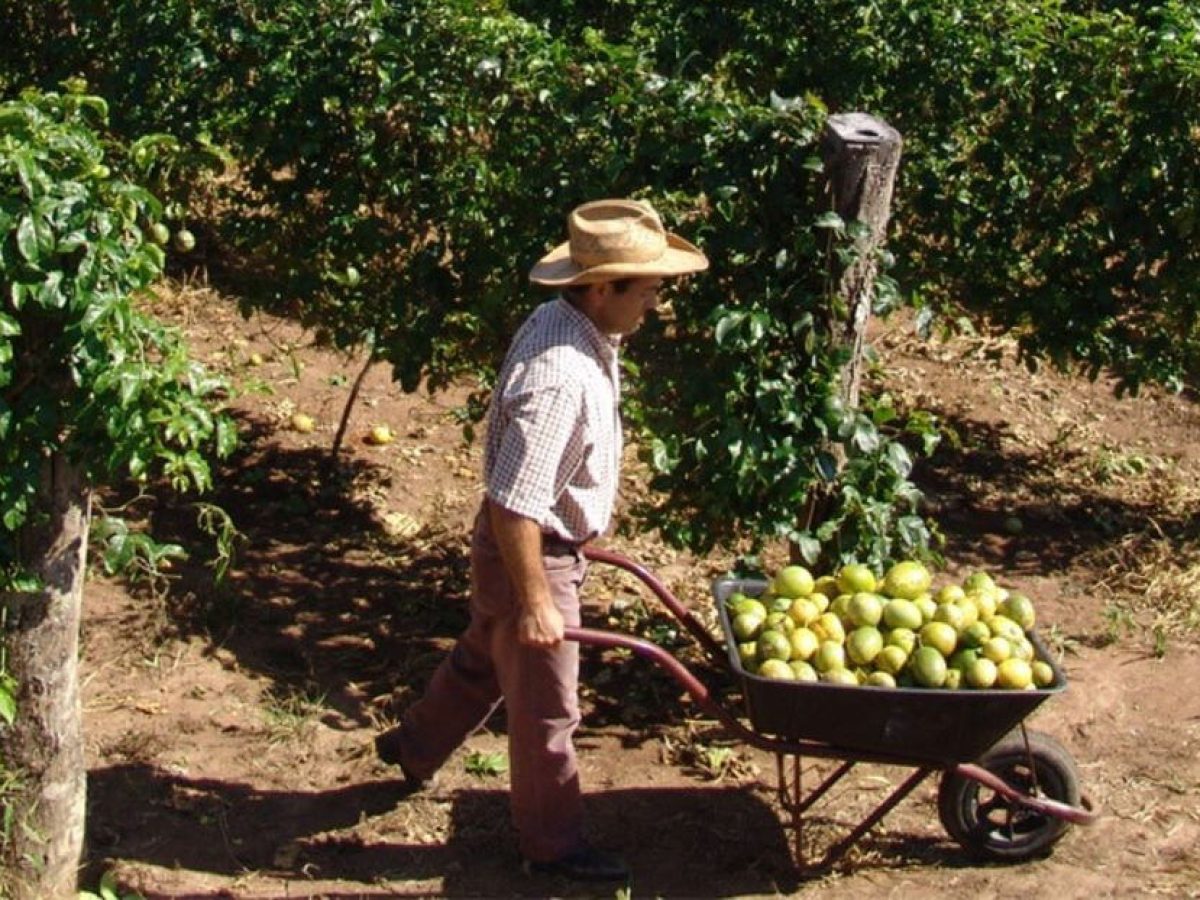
(557, 269)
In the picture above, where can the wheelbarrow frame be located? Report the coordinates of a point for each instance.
(790, 749)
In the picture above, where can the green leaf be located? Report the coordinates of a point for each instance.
(27, 241)
(8, 703)
(830, 220)
(809, 547)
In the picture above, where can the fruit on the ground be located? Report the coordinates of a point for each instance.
(303, 423)
(380, 435)
(185, 241)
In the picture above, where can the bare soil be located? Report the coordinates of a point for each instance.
(228, 727)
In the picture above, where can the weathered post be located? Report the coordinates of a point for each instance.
(862, 155)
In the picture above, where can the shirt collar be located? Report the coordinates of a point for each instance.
(605, 344)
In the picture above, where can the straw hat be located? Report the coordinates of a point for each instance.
(614, 239)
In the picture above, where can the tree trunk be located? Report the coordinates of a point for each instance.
(862, 156)
(43, 750)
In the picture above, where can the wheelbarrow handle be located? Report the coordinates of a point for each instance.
(694, 626)
(1056, 808)
(695, 688)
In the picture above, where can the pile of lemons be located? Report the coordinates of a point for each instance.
(856, 628)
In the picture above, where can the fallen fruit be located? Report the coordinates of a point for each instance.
(380, 435)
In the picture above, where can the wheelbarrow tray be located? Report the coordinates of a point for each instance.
(925, 725)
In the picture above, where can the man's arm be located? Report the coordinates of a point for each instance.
(539, 623)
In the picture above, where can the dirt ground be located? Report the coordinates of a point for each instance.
(228, 728)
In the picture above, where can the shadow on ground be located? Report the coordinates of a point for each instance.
(141, 814)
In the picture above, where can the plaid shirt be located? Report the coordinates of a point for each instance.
(553, 446)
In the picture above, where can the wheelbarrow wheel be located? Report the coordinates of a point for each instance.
(992, 827)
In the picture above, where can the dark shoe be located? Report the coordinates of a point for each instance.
(387, 748)
(586, 864)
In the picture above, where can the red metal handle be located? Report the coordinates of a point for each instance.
(1056, 808)
(694, 626)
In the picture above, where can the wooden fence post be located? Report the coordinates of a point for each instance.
(862, 155)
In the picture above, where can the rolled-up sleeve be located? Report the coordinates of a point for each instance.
(538, 446)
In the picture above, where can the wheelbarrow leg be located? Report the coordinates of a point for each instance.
(901, 791)
(796, 804)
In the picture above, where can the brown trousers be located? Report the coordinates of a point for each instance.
(539, 687)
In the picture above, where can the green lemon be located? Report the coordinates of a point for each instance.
(855, 577)
(900, 613)
(929, 668)
(792, 582)
(906, 580)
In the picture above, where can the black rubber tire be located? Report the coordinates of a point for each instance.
(989, 826)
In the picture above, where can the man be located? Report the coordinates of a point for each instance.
(551, 464)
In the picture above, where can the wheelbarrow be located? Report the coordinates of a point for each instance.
(1006, 793)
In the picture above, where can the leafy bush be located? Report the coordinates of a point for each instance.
(83, 370)
(401, 167)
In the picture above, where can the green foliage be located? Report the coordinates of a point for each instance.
(486, 765)
(108, 889)
(1051, 152)
(401, 165)
(84, 371)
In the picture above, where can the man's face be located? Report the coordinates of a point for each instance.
(622, 312)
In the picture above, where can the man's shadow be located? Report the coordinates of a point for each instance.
(713, 842)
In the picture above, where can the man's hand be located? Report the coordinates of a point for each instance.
(540, 625)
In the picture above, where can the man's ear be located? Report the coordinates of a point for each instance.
(601, 290)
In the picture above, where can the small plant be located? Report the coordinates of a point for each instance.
(486, 765)
(108, 890)
(288, 714)
(1118, 620)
